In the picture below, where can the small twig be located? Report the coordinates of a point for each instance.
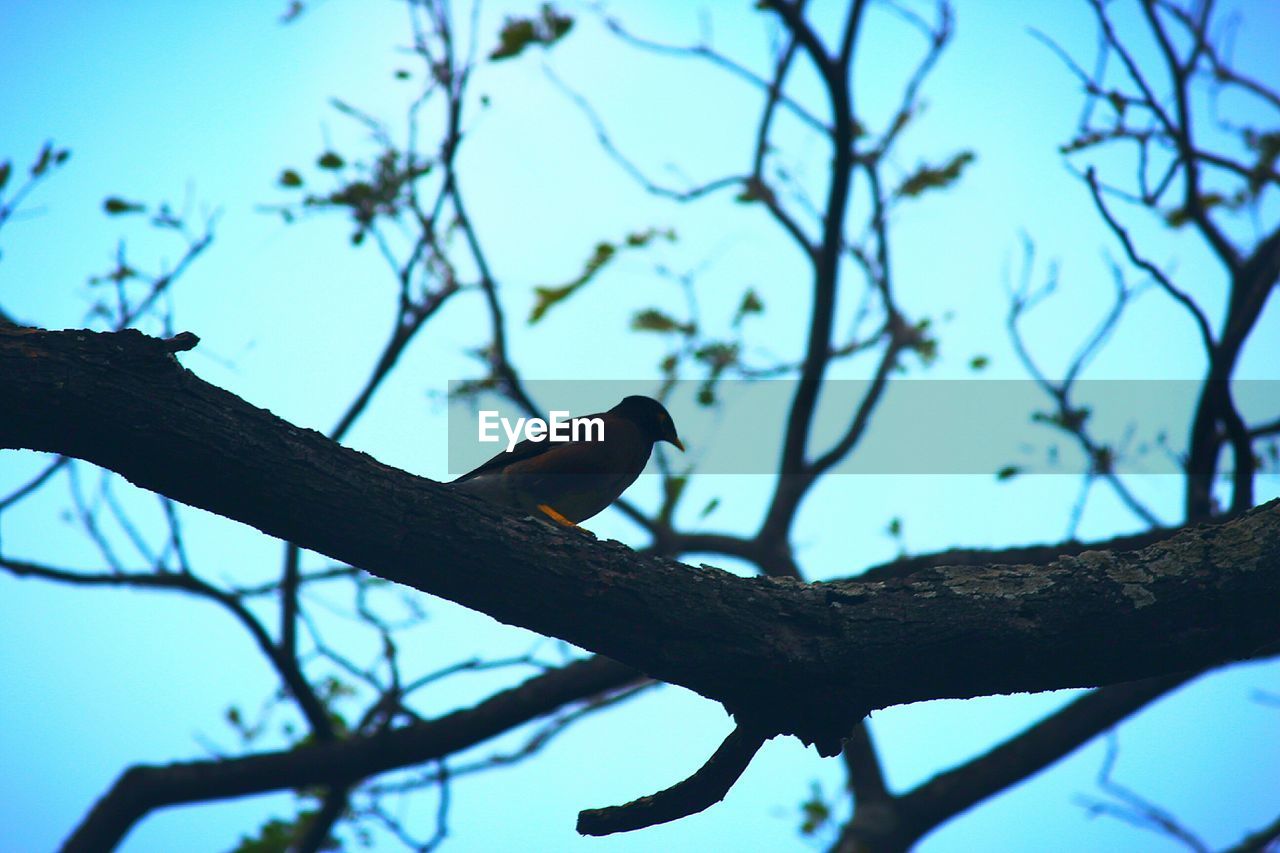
(700, 791)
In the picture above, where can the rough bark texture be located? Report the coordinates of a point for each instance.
(784, 656)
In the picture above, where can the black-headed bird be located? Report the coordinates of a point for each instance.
(570, 481)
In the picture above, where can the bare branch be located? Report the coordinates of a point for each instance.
(700, 791)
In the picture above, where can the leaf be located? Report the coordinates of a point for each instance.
(330, 160)
(43, 160)
(290, 178)
(709, 508)
(935, 177)
(115, 206)
(1008, 472)
(894, 527)
(815, 811)
(279, 836)
(653, 320)
(637, 239)
(917, 339)
(1180, 216)
(6, 169)
(672, 488)
(547, 297)
(754, 189)
(751, 304)
(979, 362)
(718, 355)
(519, 33)
(1073, 419)
(516, 34)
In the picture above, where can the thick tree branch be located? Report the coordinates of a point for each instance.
(143, 788)
(792, 658)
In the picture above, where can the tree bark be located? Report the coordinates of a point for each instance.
(783, 656)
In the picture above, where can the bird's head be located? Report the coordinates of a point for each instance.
(651, 416)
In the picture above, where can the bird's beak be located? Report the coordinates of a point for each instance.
(677, 442)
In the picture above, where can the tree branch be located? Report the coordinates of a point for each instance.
(794, 658)
(143, 788)
(699, 792)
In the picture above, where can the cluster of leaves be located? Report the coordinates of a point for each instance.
(926, 177)
(278, 836)
(919, 338)
(815, 812)
(547, 296)
(49, 158)
(519, 33)
(716, 356)
(377, 189)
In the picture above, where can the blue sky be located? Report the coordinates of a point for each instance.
(203, 103)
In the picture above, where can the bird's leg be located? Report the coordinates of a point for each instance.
(556, 517)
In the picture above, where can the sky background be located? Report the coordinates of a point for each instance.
(202, 104)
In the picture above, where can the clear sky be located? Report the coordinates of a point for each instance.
(203, 103)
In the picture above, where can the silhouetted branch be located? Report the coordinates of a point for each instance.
(142, 789)
(700, 791)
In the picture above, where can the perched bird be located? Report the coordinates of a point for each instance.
(570, 481)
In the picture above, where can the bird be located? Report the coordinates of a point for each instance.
(571, 481)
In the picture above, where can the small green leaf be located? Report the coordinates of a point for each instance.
(754, 189)
(718, 355)
(637, 239)
(290, 178)
(751, 304)
(653, 320)
(1008, 472)
(709, 508)
(1180, 216)
(935, 177)
(546, 297)
(115, 206)
(519, 33)
(673, 487)
(894, 527)
(516, 34)
(330, 160)
(6, 169)
(815, 811)
(979, 362)
(43, 160)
